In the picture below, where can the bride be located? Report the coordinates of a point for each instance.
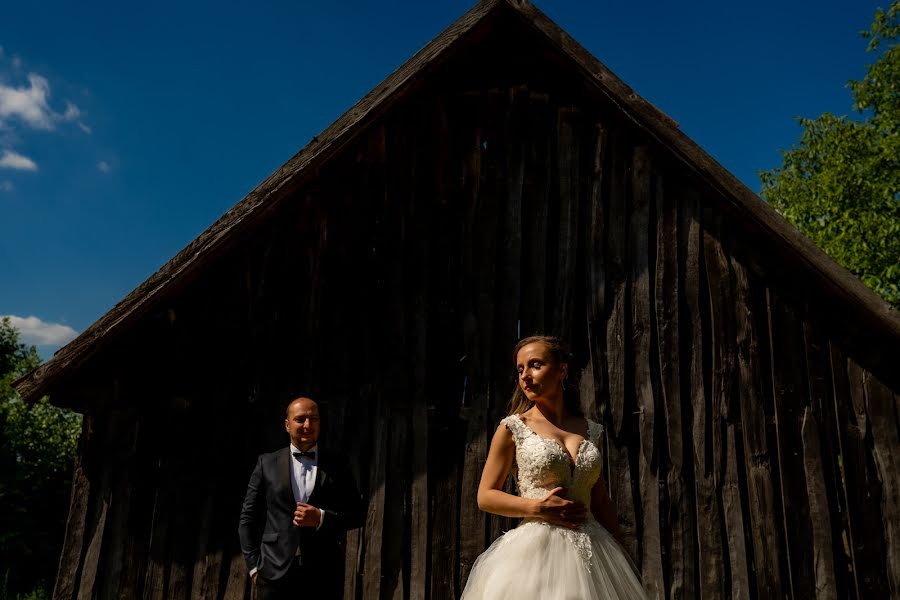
(565, 547)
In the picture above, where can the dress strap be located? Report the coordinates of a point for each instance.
(516, 427)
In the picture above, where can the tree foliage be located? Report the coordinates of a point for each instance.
(841, 184)
(37, 450)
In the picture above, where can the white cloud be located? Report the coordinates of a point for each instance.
(12, 160)
(30, 104)
(72, 112)
(6, 186)
(37, 332)
(103, 167)
(25, 107)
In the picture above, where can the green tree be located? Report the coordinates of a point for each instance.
(37, 450)
(841, 184)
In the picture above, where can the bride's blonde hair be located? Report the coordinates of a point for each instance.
(560, 354)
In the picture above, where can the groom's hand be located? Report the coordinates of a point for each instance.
(306, 515)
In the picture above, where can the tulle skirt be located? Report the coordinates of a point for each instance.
(539, 561)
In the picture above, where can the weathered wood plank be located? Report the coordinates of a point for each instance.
(67, 578)
(709, 543)
(568, 158)
(674, 530)
(722, 326)
(861, 473)
(182, 526)
(732, 513)
(155, 575)
(91, 576)
(394, 575)
(621, 414)
(641, 317)
(208, 550)
(237, 584)
(860, 487)
(683, 493)
(840, 410)
(472, 521)
(444, 506)
(881, 410)
(595, 265)
(419, 541)
(400, 272)
(616, 342)
(509, 299)
(444, 340)
(374, 532)
(121, 565)
(826, 494)
(724, 410)
(819, 513)
(535, 204)
(790, 396)
(112, 563)
(420, 258)
(765, 529)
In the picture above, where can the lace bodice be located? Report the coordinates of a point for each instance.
(544, 464)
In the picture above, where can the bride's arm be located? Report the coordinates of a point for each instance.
(492, 498)
(604, 510)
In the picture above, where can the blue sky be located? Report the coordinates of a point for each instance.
(127, 128)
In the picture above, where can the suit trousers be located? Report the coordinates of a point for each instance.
(299, 583)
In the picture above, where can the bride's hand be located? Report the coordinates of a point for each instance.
(559, 511)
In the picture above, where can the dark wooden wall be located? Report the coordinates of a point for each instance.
(751, 446)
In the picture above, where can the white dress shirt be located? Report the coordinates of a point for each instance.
(303, 478)
(303, 474)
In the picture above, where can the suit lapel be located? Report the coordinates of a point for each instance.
(284, 467)
(321, 476)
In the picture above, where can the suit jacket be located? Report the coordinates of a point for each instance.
(269, 539)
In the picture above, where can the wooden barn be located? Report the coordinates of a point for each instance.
(502, 182)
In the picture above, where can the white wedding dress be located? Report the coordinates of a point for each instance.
(540, 561)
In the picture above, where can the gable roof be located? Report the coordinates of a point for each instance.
(253, 209)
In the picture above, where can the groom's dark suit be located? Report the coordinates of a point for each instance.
(294, 514)
(270, 540)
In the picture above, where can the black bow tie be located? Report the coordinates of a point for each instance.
(311, 454)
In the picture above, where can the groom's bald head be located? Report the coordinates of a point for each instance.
(301, 421)
(301, 400)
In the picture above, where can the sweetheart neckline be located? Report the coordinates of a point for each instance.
(572, 461)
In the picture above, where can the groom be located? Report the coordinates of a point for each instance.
(298, 503)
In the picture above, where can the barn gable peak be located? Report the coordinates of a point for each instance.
(478, 22)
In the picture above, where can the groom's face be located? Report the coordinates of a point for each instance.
(302, 423)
